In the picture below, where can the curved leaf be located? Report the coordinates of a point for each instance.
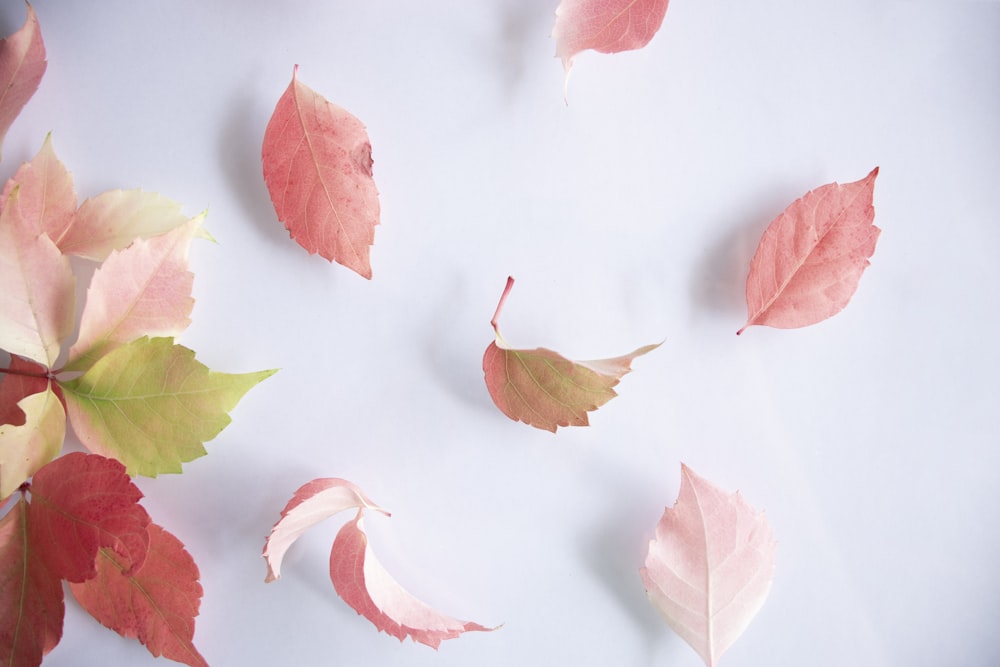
(607, 26)
(22, 64)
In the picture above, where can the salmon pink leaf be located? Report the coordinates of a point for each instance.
(81, 503)
(156, 603)
(36, 288)
(141, 290)
(365, 585)
(151, 405)
(607, 26)
(47, 197)
(22, 64)
(26, 447)
(317, 163)
(31, 597)
(544, 389)
(312, 502)
(811, 257)
(709, 567)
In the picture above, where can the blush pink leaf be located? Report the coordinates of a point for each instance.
(811, 257)
(156, 603)
(709, 567)
(318, 170)
(607, 26)
(312, 502)
(364, 584)
(47, 196)
(542, 388)
(22, 65)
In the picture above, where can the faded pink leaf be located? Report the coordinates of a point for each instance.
(317, 163)
(544, 389)
(364, 584)
(26, 447)
(709, 567)
(36, 289)
(47, 197)
(811, 257)
(22, 64)
(113, 219)
(607, 26)
(143, 289)
(311, 503)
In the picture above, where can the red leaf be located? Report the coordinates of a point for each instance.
(31, 597)
(364, 584)
(607, 26)
(544, 389)
(318, 169)
(312, 503)
(709, 568)
(811, 257)
(81, 503)
(26, 378)
(22, 64)
(156, 604)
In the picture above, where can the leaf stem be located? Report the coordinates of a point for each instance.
(503, 299)
(47, 375)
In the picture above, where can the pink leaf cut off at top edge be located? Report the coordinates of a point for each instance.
(22, 65)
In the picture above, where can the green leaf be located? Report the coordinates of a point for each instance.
(151, 405)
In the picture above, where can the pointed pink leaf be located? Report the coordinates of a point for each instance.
(546, 390)
(47, 197)
(81, 503)
(156, 603)
(113, 219)
(312, 502)
(364, 584)
(36, 289)
(31, 597)
(141, 290)
(318, 169)
(22, 64)
(811, 257)
(25, 448)
(607, 26)
(709, 568)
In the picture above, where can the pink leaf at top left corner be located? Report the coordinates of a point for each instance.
(317, 165)
(22, 65)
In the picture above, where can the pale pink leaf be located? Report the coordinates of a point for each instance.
(811, 257)
(37, 289)
(607, 26)
(318, 170)
(544, 389)
(22, 64)
(141, 290)
(365, 585)
(312, 502)
(27, 447)
(113, 219)
(709, 567)
(47, 197)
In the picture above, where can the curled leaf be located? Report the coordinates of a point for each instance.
(811, 257)
(544, 389)
(22, 65)
(317, 162)
(709, 567)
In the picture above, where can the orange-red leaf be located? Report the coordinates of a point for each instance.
(22, 64)
(607, 26)
(31, 597)
(155, 604)
(811, 257)
(81, 503)
(317, 163)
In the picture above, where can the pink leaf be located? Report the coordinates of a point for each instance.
(364, 584)
(36, 289)
(709, 568)
(544, 389)
(47, 197)
(312, 502)
(156, 604)
(318, 169)
(141, 290)
(811, 257)
(607, 26)
(22, 64)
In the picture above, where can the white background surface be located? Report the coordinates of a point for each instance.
(628, 216)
